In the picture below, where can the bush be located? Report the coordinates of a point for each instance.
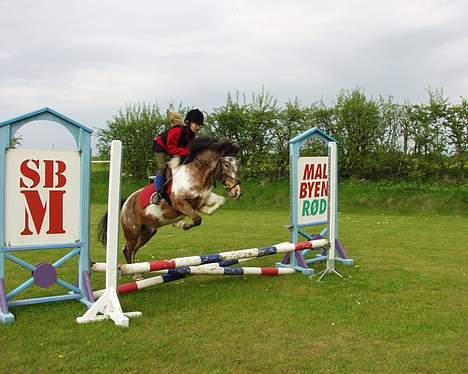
(136, 127)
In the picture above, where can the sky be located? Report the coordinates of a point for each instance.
(88, 59)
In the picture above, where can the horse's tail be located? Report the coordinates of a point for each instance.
(102, 225)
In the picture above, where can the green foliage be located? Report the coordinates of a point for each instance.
(251, 126)
(378, 138)
(357, 129)
(136, 127)
(457, 127)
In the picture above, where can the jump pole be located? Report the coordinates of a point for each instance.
(108, 305)
(146, 267)
(176, 274)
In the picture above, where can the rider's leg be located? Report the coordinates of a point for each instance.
(160, 177)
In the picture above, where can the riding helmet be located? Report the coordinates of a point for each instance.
(194, 115)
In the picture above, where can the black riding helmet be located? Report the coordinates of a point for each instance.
(194, 115)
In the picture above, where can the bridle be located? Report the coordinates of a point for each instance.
(220, 175)
(223, 176)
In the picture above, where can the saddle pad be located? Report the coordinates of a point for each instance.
(146, 194)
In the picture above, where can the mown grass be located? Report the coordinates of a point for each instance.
(401, 308)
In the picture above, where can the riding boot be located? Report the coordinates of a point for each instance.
(158, 186)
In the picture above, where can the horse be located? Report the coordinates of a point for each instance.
(192, 182)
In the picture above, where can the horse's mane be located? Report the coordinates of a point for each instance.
(203, 143)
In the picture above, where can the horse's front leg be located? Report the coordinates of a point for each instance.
(213, 203)
(187, 210)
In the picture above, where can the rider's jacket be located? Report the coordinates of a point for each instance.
(174, 141)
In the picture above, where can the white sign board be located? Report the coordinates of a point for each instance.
(42, 197)
(312, 190)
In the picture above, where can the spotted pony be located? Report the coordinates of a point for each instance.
(191, 194)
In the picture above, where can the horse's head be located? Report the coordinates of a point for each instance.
(228, 172)
(220, 154)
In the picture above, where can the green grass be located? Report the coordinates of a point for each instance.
(401, 308)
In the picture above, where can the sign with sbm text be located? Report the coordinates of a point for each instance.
(42, 199)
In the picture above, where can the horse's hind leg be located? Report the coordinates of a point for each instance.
(131, 236)
(128, 250)
(146, 233)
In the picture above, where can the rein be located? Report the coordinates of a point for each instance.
(221, 175)
(223, 179)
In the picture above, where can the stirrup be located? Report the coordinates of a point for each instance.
(156, 198)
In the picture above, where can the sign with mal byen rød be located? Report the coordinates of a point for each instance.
(313, 190)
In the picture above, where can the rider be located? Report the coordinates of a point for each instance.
(174, 142)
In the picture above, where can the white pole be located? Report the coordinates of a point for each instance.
(332, 208)
(108, 305)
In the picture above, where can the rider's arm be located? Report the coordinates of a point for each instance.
(173, 139)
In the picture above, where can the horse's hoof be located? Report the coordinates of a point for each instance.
(179, 225)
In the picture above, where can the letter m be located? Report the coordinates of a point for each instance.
(36, 210)
(308, 172)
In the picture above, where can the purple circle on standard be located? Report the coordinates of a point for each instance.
(45, 275)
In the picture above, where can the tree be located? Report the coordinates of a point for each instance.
(136, 126)
(249, 125)
(358, 128)
(291, 121)
(457, 126)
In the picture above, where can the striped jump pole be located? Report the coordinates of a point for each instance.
(215, 264)
(100, 267)
(218, 270)
(146, 267)
(141, 284)
(176, 274)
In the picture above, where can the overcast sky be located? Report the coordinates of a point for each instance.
(86, 59)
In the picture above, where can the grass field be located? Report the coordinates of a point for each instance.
(401, 308)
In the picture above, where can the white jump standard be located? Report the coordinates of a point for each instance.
(108, 305)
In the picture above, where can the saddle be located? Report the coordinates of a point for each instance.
(146, 194)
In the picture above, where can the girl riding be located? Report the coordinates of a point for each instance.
(174, 142)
